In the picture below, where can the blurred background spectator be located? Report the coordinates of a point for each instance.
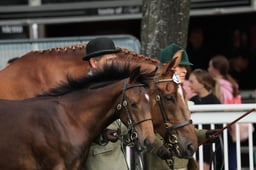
(199, 52)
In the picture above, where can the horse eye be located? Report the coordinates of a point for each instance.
(133, 104)
(170, 98)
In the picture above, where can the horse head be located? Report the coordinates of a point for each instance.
(133, 105)
(169, 101)
(136, 113)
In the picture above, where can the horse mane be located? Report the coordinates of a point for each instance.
(124, 55)
(134, 57)
(12, 60)
(129, 54)
(109, 74)
(62, 49)
(57, 50)
(51, 51)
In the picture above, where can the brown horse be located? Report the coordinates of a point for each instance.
(37, 71)
(54, 131)
(169, 101)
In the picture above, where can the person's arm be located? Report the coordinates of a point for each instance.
(201, 135)
(207, 136)
(157, 144)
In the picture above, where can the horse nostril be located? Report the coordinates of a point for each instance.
(139, 147)
(190, 149)
(147, 144)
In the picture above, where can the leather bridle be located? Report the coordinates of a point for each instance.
(132, 138)
(171, 140)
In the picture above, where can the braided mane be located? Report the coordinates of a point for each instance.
(62, 49)
(147, 63)
(138, 58)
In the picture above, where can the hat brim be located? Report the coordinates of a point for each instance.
(186, 63)
(102, 52)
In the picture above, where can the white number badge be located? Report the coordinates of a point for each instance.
(176, 78)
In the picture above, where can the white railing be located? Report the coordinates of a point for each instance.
(224, 114)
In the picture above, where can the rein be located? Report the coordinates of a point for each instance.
(229, 125)
(216, 134)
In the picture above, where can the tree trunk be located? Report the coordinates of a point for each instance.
(163, 22)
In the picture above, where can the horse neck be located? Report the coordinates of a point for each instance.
(93, 109)
(38, 72)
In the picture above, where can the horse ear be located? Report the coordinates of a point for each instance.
(135, 74)
(175, 61)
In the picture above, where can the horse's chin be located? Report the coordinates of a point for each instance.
(148, 146)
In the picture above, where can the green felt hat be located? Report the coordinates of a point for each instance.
(168, 52)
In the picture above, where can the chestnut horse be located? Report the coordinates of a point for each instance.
(169, 106)
(54, 130)
(37, 71)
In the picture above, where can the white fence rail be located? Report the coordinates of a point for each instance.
(224, 114)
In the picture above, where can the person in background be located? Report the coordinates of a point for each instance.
(106, 152)
(197, 49)
(239, 70)
(242, 59)
(203, 85)
(186, 84)
(155, 161)
(227, 91)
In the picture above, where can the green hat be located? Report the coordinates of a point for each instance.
(168, 52)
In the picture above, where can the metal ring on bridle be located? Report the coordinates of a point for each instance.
(124, 103)
(118, 107)
(158, 97)
(173, 139)
(134, 136)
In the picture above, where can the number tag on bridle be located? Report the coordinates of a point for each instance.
(176, 78)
